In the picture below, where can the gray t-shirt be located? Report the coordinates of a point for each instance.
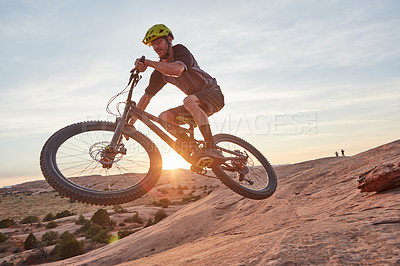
(192, 80)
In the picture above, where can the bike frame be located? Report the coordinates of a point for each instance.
(177, 131)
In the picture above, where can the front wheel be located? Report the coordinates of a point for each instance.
(73, 162)
(247, 172)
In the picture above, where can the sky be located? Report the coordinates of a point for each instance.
(301, 78)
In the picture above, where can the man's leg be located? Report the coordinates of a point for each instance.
(192, 104)
(169, 117)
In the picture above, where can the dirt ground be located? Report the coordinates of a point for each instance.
(317, 216)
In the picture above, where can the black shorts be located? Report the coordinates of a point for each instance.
(212, 100)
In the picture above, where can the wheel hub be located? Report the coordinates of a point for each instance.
(101, 152)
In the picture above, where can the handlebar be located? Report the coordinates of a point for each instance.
(135, 77)
(141, 60)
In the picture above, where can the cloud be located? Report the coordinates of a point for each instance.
(62, 61)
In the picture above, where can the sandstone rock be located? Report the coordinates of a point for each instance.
(380, 178)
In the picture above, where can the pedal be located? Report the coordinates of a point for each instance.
(205, 162)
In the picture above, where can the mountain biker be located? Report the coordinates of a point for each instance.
(178, 67)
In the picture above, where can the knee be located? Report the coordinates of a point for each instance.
(190, 101)
(167, 116)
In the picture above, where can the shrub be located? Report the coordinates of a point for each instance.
(163, 190)
(160, 214)
(165, 202)
(65, 213)
(30, 242)
(82, 220)
(51, 224)
(119, 209)
(134, 219)
(7, 223)
(101, 217)
(124, 233)
(35, 258)
(87, 224)
(102, 237)
(3, 238)
(69, 246)
(50, 238)
(93, 230)
(49, 217)
(149, 223)
(30, 219)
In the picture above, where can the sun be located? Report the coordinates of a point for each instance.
(172, 160)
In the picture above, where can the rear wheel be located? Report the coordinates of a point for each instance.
(253, 177)
(75, 163)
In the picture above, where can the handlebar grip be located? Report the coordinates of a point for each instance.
(140, 60)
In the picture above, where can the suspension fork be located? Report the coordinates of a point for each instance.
(112, 149)
(120, 123)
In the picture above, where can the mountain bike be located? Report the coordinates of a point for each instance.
(109, 163)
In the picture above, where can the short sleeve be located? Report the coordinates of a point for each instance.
(183, 56)
(155, 84)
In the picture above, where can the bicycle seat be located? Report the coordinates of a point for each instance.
(186, 120)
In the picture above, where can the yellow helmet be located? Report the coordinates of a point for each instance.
(155, 32)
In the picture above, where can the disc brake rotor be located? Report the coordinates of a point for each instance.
(98, 152)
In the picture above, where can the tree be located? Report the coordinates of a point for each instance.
(3, 238)
(30, 242)
(50, 238)
(69, 246)
(102, 237)
(101, 217)
(93, 230)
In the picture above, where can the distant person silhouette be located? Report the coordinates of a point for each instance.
(337, 154)
(342, 152)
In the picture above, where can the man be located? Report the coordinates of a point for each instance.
(178, 67)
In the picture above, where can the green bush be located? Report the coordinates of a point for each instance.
(51, 225)
(6, 223)
(86, 225)
(160, 214)
(101, 217)
(124, 233)
(50, 238)
(119, 209)
(82, 220)
(63, 214)
(93, 230)
(49, 217)
(149, 223)
(3, 238)
(102, 237)
(134, 219)
(69, 246)
(30, 242)
(30, 219)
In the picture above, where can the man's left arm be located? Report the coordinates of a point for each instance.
(173, 69)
